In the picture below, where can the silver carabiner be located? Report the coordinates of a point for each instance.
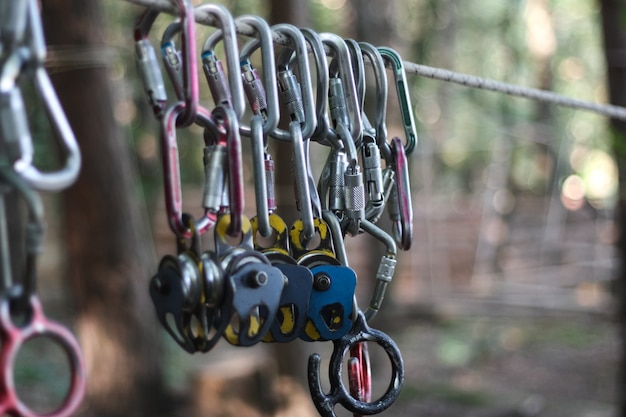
(299, 101)
(182, 68)
(298, 95)
(263, 99)
(231, 92)
(23, 163)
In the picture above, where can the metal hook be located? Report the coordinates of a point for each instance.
(404, 96)
(231, 92)
(338, 394)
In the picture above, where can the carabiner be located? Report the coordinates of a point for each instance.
(171, 170)
(404, 96)
(321, 100)
(182, 67)
(401, 210)
(370, 52)
(386, 267)
(228, 93)
(148, 64)
(299, 102)
(342, 73)
(13, 19)
(338, 393)
(298, 96)
(263, 97)
(12, 102)
(358, 69)
(22, 297)
(227, 124)
(359, 374)
(266, 114)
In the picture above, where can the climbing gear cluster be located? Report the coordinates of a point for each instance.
(266, 281)
(22, 55)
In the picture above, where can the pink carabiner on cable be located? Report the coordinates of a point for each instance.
(402, 227)
(13, 337)
(171, 170)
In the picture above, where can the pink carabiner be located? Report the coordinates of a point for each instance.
(14, 337)
(359, 373)
(171, 171)
(403, 228)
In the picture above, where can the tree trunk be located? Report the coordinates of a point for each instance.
(614, 31)
(110, 255)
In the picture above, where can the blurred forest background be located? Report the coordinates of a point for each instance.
(506, 305)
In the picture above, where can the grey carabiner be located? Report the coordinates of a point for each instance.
(148, 65)
(182, 66)
(34, 238)
(370, 52)
(228, 34)
(60, 179)
(260, 180)
(386, 267)
(321, 100)
(13, 18)
(358, 69)
(302, 181)
(271, 112)
(64, 177)
(404, 96)
(296, 95)
(348, 84)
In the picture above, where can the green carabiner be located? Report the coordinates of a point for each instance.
(404, 98)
